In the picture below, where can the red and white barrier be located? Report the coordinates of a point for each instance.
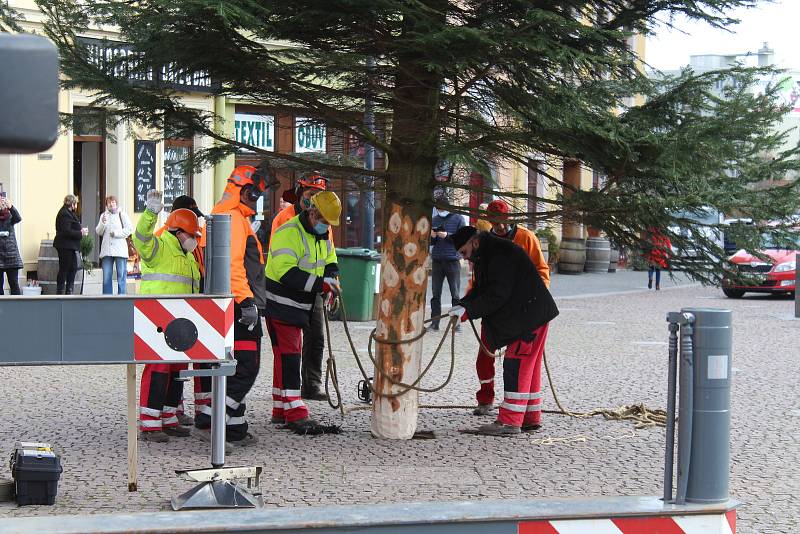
(181, 330)
(687, 524)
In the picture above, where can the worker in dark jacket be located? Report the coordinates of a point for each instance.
(508, 294)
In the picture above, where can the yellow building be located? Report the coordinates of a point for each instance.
(93, 164)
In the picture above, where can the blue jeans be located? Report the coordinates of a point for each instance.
(108, 263)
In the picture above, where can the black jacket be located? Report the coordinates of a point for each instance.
(9, 252)
(68, 230)
(507, 292)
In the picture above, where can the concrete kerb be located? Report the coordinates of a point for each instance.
(459, 516)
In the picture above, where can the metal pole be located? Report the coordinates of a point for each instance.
(796, 284)
(368, 196)
(709, 459)
(669, 455)
(685, 414)
(218, 281)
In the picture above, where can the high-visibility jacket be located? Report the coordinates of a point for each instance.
(198, 253)
(247, 262)
(297, 262)
(530, 244)
(166, 268)
(283, 217)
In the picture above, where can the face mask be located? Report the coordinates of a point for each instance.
(321, 228)
(189, 244)
(113, 210)
(442, 213)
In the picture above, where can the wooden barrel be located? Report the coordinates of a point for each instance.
(613, 260)
(47, 269)
(598, 250)
(571, 255)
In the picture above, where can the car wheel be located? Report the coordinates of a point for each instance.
(733, 293)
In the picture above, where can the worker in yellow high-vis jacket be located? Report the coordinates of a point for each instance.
(168, 268)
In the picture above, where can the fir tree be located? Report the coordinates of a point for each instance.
(471, 83)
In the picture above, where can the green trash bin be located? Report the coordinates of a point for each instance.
(358, 274)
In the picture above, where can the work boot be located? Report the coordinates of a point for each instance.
(308, 426)
(205, 435)
(178, 431)
(649, 284)
(498, 429)
(313, 393)
(185, 420)
(458, 327)
(483, 409)
(433, 328)
(248, 440)
(277, 420)
(530, 427)
(658, 286)
(154, 436)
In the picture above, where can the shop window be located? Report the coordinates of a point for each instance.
(177, 170)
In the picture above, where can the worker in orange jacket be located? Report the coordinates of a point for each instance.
(248, 286)
(306, 187)
(498, 215)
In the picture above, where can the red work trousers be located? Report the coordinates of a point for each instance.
(287, 345)
(522, 380)
(160, 395)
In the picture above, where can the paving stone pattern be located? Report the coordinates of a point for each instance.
(604, 351)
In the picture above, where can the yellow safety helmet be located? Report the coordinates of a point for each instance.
(328, 205)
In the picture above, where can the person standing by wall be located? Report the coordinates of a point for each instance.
(67, 243)
(113, 228)
(446, 263)
(10, 260)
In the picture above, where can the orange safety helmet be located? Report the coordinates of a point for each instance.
(245, 175)
(184, 219)
(314, 180)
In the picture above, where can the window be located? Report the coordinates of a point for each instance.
(177, 177)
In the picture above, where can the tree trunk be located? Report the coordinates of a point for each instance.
(572, 176)
(409, 199)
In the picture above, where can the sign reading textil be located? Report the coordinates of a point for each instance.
(256, 130)
(309, 136)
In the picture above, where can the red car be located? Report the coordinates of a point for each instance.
(776, 276)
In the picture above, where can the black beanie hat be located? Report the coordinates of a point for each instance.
(462, 235)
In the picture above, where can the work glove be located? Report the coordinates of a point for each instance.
(249, 316)
(154, 203)
(458, 311)
(330, 285)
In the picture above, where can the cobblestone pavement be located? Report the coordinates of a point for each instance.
(604, 351)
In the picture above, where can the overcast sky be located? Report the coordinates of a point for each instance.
(775, 23)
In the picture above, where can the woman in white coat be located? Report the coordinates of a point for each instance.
(114, 228)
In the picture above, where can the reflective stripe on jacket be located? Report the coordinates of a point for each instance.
(166, 268)
(297, 263)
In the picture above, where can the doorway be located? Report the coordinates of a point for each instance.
(89, 183)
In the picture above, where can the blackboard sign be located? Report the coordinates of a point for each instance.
(176, 179)
(144, 171)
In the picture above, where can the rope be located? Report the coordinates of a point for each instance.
(641, 415)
